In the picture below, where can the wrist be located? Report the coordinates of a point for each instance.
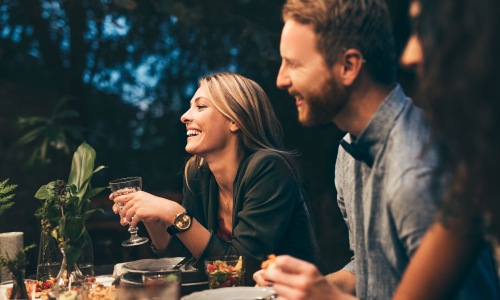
(181, 223)
(173, 211)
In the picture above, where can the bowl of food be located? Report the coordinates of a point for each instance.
(225, 271)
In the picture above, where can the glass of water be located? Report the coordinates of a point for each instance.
(124, 186)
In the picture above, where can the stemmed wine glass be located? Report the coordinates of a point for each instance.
(126, 186)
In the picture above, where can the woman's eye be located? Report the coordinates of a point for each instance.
(200, 107)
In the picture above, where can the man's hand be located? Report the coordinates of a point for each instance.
(294, 279)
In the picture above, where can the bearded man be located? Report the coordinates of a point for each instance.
(339, 62)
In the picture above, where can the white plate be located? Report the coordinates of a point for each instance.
(231, 293)
(152, 265)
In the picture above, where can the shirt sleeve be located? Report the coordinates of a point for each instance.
(414, 205)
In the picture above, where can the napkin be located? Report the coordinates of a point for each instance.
(10, 243)
(118, 270)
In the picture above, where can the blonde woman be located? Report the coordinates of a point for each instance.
(241, 195)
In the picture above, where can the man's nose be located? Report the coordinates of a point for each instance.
(283, 80)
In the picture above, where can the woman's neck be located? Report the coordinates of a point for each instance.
(224, 169)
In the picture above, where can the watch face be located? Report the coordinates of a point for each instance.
(183, 222)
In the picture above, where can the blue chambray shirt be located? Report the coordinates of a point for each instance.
(389, 206)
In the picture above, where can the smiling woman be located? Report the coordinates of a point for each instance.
(242, 194)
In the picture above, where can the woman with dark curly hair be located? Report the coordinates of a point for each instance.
(455, 50)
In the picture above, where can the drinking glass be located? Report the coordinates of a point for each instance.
(124, 186)
(162, 284)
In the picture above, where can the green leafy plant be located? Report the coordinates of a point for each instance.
(15, 265)
(5, 196)
(66, 205)
(52, 132)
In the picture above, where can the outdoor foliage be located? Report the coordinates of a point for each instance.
(6, 195)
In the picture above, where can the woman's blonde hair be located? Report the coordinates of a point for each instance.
(244, 102)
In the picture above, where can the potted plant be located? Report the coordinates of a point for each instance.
(65, 208)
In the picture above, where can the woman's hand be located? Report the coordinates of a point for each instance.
(142, 206)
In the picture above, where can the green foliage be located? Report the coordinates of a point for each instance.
(66, 205)
(52, 132)
(17, 264)
(5, 197)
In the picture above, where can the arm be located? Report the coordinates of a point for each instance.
(441, 262)
(344, 280)
(157, 214)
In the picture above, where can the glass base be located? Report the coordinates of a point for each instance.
(135, 242)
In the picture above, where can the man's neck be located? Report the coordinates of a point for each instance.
(363, 102)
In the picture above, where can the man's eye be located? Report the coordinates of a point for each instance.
(291, 64)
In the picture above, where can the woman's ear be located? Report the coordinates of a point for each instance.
(233, 127)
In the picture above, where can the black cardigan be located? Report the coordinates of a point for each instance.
(269, 213)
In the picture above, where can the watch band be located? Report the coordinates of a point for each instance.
(173, 230)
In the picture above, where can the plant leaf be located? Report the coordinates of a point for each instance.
(93, 192)
(88, 213)
(82, 167)
(30, 136)
(42, 193)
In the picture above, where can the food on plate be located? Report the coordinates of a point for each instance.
(270, 260)
(221, 274)
(41, 289)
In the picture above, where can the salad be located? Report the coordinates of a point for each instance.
(224, 273)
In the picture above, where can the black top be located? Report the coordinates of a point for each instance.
(269, 215)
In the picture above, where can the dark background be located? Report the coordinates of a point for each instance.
(119, 74)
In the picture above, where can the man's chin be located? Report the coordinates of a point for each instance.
(310, 121)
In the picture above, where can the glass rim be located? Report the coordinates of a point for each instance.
(125, 180)
(226, 258)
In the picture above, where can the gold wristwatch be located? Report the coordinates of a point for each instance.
(182, 222)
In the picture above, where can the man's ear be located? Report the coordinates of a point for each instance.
(351, 61)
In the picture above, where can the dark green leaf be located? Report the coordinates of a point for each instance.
(42, 193)
(93, 192)
(30, 136)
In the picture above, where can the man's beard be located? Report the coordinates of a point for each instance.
(323, 106)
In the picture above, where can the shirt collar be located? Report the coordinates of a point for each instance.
(373, 137)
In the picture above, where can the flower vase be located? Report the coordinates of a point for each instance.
(49, 258)
(18, 287)
(68, 281)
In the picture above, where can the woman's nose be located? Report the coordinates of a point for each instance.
(412, 57)
(185, 117)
